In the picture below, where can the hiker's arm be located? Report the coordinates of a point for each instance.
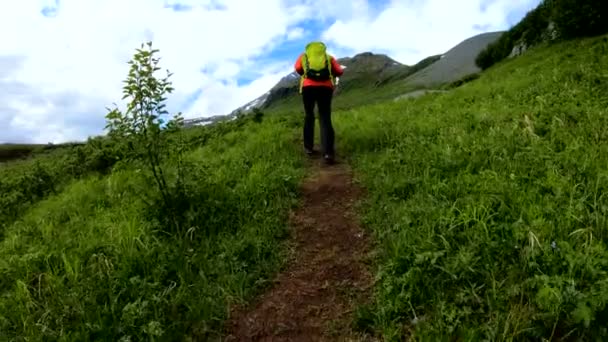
(336, 68)
(298, 66)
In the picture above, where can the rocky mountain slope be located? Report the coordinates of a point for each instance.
(455, 64)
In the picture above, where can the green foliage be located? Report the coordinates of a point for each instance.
(91, 263)
(530, 31)
(571, 19)
(15, 151)
(113, 270)
(463, 80)
(9, 152)
(23, 183)
(141, 126)
(489, 202)
(580, 18)
(21, 186)
(257, 115)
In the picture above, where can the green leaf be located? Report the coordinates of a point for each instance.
(583, 314)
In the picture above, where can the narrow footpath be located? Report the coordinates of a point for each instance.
(315, 297)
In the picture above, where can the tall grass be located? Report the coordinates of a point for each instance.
(93, 262)
(25, 182)
(489, 202)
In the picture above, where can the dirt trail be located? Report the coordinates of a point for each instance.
(314, 298)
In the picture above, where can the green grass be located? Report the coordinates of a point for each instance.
(489, 202)
(92, 262)
(360, 92)
(49, 170)
(9, 152)
(16, 151)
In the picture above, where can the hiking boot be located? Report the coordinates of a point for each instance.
(309, 151)
(329, 159)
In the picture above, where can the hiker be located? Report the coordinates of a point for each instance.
(318, 70)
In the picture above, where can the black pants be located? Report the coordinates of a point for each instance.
(321, 96)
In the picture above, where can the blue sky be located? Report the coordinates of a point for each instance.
(64, 61)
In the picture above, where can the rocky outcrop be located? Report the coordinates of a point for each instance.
(518, 49)
(549, 34)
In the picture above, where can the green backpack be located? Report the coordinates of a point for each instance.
(316, 62)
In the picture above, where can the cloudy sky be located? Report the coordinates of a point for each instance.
(62, 62)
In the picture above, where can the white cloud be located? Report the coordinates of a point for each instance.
(58, 74)
(83, 51)
(295, 33)
(223, 95)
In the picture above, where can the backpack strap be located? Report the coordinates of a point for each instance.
(331, 75)
(306, 66)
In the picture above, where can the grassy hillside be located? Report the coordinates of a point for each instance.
(92, 261)
(550, 21)
(368, 78)
(489, 202)
(363, 92)
(10, 152)
(16, 151)
(23, 183)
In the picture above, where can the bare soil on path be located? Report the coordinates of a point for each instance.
(314, 298)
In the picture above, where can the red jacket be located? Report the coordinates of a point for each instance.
(336, 70)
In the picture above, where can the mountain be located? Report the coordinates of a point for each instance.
(368, 72)
(206, 120)
(362, 69)
(455, 64)
(377, 76)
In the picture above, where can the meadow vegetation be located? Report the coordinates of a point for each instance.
(9, 152)
(550, 21)
(487, 203)
(87, 252)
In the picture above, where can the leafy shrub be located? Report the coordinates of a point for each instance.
(529, 31)
(463, 80)
(23, 183)
(99, 261)
(142, 126)
(580, 18)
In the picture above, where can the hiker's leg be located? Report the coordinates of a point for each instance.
(309, 117)
(325, 95)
